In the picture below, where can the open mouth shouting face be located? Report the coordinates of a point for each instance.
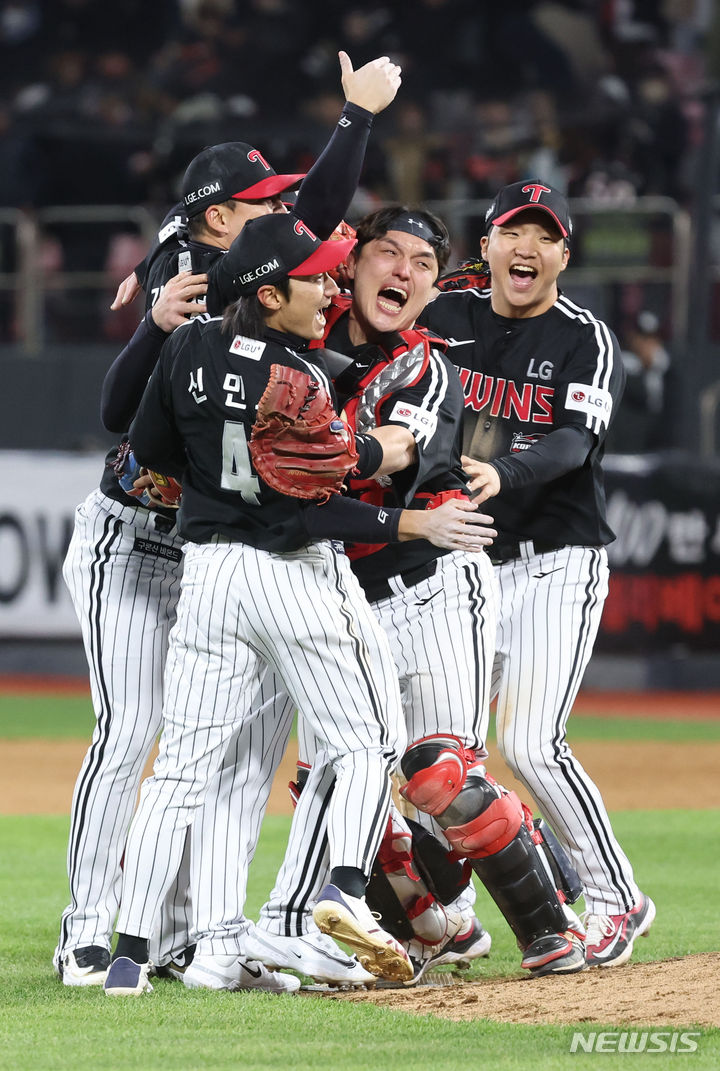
(393, 279)
(526, 254)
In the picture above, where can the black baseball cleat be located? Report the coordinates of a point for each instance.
(126, 978)
(84, 966)
(556, 953)
(176, 967)
(458, 952)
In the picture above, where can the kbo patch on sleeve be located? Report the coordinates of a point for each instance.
(593, 401)
(421, 423)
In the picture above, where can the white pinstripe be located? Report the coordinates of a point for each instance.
(304, 615)
(442, 637)
(126, 603)
(549, 614)
(441, 634)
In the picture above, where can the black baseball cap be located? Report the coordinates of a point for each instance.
(233, 170)
(520, 196)
(276, 245)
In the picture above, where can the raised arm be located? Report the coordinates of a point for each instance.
(328, 188)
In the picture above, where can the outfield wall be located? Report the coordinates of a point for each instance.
(661, 627)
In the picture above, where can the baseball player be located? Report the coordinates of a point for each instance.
(257, 591)
(542, 378)
(437, 610)
(124, 561)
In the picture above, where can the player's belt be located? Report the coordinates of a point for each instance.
(505, 550)
(381, 589)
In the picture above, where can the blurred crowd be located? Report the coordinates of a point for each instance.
(105, 103)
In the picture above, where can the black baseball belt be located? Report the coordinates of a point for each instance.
(506, 550)
(380, 589)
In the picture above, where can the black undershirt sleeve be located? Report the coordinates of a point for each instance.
(559, 452)
(370, 456)
(351, 521)
(329, 186)
(127, 376)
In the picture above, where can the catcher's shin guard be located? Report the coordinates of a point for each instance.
(444, 874)
(520, 886)
(408, 908)
(565, 876)
(486, 824)
(296, 787)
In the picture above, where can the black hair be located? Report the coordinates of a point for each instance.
(197, 225)
(247, 316)
(378, 223)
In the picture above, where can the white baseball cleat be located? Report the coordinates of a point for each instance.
(610, 938)
(313, 954)
(126, 978)
(349, 919)
(234, 973)
(84, 966)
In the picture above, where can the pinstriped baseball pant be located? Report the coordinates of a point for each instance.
(549, 614)
(125, 602)
(125, 598)
(441, 633)
(304, 615)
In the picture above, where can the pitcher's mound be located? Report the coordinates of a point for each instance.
(675, 992)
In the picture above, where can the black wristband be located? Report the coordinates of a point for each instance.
(370, 457)
(352, 521)
(361, 113)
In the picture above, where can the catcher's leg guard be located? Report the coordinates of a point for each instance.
(566, 877)
(296, 787)
(444, 874)
(487, 824)
(408, 907)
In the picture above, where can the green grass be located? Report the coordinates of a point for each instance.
(67, 716)
(44, 1026)
(53, 717)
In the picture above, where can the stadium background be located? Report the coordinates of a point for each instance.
(615, 102)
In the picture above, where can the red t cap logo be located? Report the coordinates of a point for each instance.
(302, 228)
(536, 191)
(254, 156)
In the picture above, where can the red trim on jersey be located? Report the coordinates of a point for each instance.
(370, 490)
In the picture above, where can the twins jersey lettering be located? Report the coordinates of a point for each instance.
(526, 378)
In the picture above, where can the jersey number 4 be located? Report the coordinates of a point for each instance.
(236, 470)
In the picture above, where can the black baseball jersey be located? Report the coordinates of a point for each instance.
(410, 382)
(522, 380)
(322, 200)
(195, 421)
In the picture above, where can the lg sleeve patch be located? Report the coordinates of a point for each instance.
(593, 401)
(420, 422)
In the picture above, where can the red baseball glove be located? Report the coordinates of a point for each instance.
(299, 445)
